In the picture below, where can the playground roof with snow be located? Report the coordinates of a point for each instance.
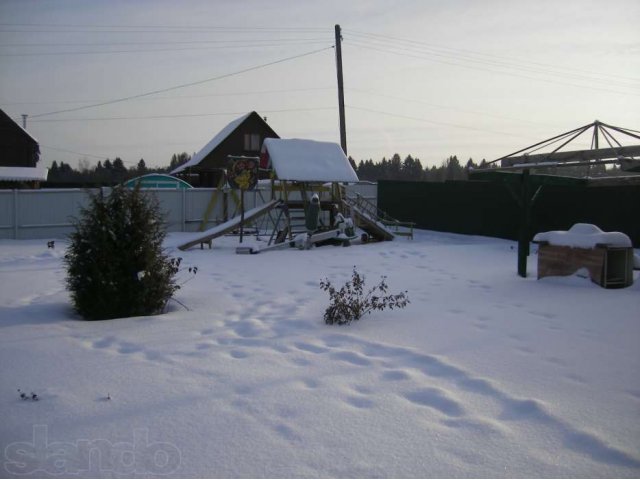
(308, 160)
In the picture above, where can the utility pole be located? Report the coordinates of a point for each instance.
(343, 127)
(24, 120)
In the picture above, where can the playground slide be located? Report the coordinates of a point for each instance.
(373, 227)
(228, 226)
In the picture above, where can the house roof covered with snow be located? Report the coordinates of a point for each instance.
(231, 141)
(8, 120)
(308, 160)
(23, 174)
(213, 143)
(17, 147)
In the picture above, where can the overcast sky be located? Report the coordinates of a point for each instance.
(476, 79)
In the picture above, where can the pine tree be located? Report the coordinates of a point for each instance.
(119, 170)
(141, 169)
(115, 263)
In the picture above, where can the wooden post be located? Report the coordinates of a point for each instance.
(184, 209)
(241, 213)
(225, 205)
(343, 128)
(525, 226)
(15, 214)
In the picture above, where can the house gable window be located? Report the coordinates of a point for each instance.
(252, 142)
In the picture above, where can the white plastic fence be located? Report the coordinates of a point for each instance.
(48, 213)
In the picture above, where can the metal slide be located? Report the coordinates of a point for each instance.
(228, 226)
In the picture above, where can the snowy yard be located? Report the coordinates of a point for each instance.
(484, 374)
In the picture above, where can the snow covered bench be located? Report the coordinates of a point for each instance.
(607, 256)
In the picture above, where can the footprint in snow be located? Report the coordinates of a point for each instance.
(437, 400)
(360, 402)
(238, 354)
(352, 358)
(395, 375)
(310, 383)
(542, 314)
(308, 347)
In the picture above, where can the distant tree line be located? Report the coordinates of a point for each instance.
(109, 172)
(112, 172)
(411, 169)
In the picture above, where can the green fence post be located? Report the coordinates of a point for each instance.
(525, 227)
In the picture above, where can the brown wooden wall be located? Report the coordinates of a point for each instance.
(17, 149)
(234, 143)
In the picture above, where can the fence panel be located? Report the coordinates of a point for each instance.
(7, 213)
(489, 209)
(47, 213)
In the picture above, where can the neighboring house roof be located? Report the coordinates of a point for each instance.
(308, 160)
(17, 147)
(6, 118)
(23, 174)
(213, 143)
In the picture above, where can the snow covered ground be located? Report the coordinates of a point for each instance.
(484, 374)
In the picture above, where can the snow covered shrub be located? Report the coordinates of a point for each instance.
(351, 303)
(115, 263)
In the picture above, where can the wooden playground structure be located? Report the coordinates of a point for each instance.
(300, 170)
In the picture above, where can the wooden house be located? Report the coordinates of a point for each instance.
(17, 147)
(242, 137)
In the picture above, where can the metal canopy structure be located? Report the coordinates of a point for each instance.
(601, 133)
(528, 159)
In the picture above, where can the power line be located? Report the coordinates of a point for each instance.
(185, 115)
(386, 38)
(500, 64)
(435, 122)
(494, 63)
(156, 30)
(199, 82)
(178, 97)
(104, 52)
(190, 42)
(492, 71)
(447, 107)
(163, 27)
(75, 153)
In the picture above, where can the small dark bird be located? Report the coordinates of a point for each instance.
(23, 395)
(34, 397)
(51, 244)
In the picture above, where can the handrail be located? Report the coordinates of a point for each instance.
(375, 213)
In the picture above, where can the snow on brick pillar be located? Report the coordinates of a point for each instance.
(607, 256)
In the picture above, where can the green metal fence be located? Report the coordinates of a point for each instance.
(490, 209)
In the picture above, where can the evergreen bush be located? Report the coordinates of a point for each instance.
(115, 263)
(351, 303)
